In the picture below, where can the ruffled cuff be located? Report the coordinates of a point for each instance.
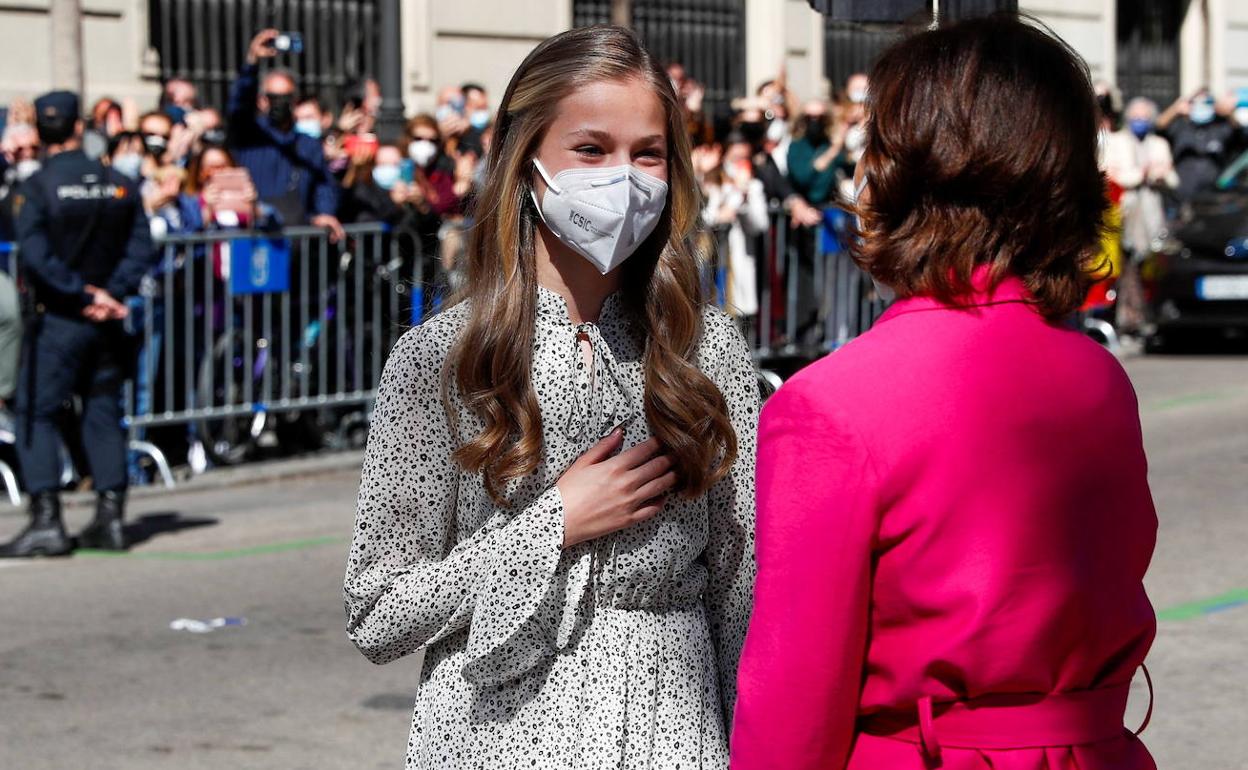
(502, 642)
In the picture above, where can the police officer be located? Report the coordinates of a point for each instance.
(84, 245)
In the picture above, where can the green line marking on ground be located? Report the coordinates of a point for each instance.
(233, 553)
(1188, 400)
(1229, 600)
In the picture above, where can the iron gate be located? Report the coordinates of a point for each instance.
(205, 41)
(706, 36)
(850, 48)
(1148, 48)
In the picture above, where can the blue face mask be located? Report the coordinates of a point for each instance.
(1202, 112)
(386, 177)
(1140, 127)
(453, 107)
(479, 119)
(309, 127)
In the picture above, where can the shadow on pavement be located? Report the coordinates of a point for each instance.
(390, 701)
(151, 525)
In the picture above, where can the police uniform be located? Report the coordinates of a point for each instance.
(79, 225)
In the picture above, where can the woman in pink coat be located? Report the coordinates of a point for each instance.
(954, 519)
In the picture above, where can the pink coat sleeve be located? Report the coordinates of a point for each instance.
(802, 666)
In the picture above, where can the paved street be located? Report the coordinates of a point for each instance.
(92, 676)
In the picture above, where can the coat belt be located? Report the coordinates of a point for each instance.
(1010, 721)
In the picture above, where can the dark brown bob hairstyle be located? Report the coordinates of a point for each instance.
(982, 150)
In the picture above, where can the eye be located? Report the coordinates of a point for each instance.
(589, 149)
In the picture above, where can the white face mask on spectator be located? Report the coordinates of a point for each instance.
(778, 130)
(25, 169)
(386, 177)
(422, 152)
(130, 164)
(603, 214)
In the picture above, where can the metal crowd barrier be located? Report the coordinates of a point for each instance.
(812, 298)
(242, 333)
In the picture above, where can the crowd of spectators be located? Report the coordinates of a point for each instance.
(279, 156)
(1157, 162)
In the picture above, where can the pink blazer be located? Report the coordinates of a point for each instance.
(954, 522)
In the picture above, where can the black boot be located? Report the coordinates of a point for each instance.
(45, 536)
(105, 531)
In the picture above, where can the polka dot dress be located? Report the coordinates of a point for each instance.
(619, 652)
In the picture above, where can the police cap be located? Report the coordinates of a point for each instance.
(58, 107)
(56, 114)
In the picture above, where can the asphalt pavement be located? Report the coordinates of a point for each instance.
(92, 675)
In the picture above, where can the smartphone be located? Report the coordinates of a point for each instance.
(288, 42)
(407, 170)
(233, 188)
(365, 142)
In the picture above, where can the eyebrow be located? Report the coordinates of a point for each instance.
(605, 136)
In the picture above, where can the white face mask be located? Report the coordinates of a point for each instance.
(130, 164)
(603, 214)
(25, 169)
(777, 130)
(421, 151)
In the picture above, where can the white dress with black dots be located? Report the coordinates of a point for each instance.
(619, 652)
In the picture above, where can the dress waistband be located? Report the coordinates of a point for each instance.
(1014, 721)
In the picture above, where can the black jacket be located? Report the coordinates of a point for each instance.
(79, 223)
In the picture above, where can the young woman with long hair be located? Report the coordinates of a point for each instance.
(557, 496)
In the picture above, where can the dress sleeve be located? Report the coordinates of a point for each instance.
(729, 555)
(412, 578)
(807, 639)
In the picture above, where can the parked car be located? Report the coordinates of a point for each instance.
(1196, 278)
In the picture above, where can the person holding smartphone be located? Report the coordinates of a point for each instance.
(288, 167)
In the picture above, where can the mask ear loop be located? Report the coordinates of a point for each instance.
(858, 188)
(546, 178)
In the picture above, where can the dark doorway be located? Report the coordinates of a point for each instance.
(205, 41)
(1148, 48)
(707, 36)
(850, 47)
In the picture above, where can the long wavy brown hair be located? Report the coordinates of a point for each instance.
(492, 359)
